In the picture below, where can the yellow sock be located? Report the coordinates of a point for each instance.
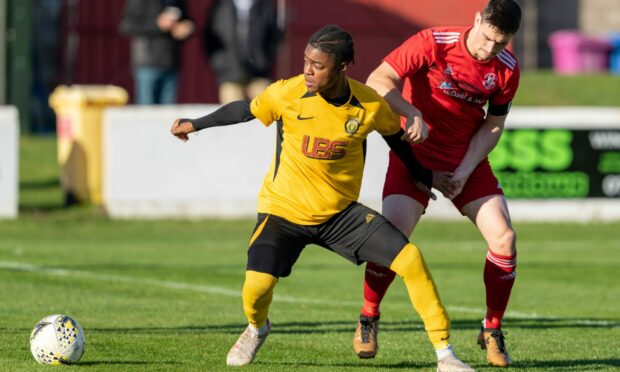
(257, 295)
(410, 265)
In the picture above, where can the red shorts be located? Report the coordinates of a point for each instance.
(482, 182)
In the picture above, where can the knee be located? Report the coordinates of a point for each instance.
(409, 259)
(504, 243)
(259, 281)
(257, 287)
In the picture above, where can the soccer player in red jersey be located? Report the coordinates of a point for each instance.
(448, 75)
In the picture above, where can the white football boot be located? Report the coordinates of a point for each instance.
(451, 363)
(247, 345)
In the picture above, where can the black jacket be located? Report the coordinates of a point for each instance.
(233, 58)
(149, 46)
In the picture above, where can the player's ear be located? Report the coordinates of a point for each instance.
(343, 68)
(477, 19)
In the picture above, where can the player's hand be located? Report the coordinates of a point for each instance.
(458, 180)
(180, 129)
(442, 181)
(416, 129)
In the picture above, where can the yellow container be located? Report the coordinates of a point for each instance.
(79, 111)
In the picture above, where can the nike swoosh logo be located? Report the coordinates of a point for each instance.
(299, 117)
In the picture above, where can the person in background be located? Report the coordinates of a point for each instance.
(156, 28)
(440, 81)
(241, 40)
(309, 195)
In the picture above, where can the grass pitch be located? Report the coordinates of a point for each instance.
(165, 295)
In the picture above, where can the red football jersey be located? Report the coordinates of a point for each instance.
(451, 88)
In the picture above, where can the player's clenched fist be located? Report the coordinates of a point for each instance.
(181, 128)
(416, 129)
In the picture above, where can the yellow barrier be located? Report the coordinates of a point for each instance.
(79, 110)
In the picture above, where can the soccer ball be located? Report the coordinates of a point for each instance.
(57, 339)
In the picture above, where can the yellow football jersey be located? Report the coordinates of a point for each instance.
(320, 148)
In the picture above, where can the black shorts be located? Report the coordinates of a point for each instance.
(358, 234)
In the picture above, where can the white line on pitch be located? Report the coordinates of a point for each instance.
(20, 266)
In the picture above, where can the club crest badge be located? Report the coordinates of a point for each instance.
(490, 81)
(351, 126)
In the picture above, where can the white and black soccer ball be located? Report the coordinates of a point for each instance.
(57, 339)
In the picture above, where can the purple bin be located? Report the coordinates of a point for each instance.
(574, 53)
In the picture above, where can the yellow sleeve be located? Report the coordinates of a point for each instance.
(386, 121)
(265, 106)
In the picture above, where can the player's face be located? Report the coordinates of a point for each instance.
(485, 41)
(320, 70)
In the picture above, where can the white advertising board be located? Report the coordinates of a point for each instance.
(150, 174)
(9, 161)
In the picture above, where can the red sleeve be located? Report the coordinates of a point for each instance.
(412, 55)
(508, 89)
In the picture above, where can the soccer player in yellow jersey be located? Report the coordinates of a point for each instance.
(309, 195)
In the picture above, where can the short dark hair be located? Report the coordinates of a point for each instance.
(504, 15)
(333, 40)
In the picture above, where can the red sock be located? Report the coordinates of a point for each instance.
(377, 279)
(499, 276)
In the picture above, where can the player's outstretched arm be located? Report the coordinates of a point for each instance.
(231, 113)
(422, 176)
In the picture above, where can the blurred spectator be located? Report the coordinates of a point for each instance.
(241, 39)
(45, 63)
(156, 28)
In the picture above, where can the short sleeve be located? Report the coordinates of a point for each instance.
(412, 55)
(386, 121)
(265, 106)
(508, 90)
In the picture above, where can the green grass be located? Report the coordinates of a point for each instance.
(165, 295)
(544, 88)
(39, 186)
